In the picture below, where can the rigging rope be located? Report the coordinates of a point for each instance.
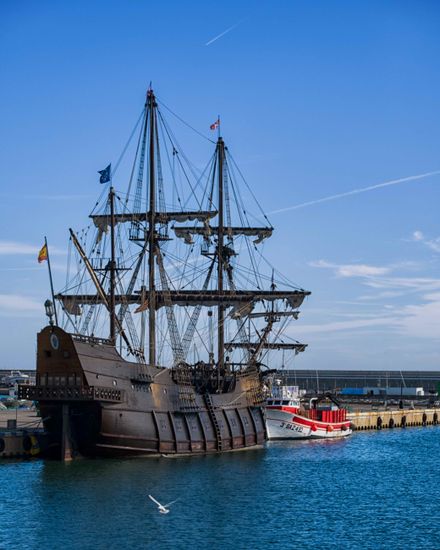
(184, 122)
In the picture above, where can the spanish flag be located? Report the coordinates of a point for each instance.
(42, 255)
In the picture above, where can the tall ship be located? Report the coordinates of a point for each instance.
(170, 315)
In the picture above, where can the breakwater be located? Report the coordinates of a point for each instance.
(399, 418)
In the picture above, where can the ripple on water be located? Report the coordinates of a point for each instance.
(372, 490)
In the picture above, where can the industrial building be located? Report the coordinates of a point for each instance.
(374, 380)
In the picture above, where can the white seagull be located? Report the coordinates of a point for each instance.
(163, 508)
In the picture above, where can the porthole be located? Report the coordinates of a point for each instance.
(115, 383)
(54, 342)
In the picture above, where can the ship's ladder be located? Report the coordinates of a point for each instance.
(210, 407)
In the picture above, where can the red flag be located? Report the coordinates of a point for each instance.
(215, 125)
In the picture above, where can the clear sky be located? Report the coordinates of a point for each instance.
(317, 99)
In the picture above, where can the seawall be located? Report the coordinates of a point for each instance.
(400, 418)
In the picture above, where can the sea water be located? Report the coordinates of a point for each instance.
(372, 490)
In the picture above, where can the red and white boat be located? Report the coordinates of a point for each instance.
(287, 418)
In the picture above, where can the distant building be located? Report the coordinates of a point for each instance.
(390, 391)
(340, 380)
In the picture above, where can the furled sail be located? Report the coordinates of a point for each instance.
(207, 231)
(102, 221)
(241, 298)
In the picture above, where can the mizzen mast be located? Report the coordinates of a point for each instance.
(220, 238)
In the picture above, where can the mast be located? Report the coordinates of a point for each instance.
(220, 233)
(151, 238)
(112, 267)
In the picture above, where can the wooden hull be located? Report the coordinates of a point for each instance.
(94, 403)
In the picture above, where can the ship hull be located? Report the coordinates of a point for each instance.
(282, 424)
(94, 403)
(195, 433)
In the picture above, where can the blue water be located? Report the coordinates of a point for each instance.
(373, 490)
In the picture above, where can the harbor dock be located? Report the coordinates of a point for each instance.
(21, 434)
(393, 418)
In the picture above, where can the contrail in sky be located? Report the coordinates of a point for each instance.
(356, 191)
(223, 33)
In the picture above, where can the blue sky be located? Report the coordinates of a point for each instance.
(316, 98)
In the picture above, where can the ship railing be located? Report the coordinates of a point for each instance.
(246, 371)
(70, 393)
(91, 339)
(255, 396)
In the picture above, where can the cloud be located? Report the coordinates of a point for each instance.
(352, 270)
(41, 197)
(381, 278)
(408, 284)
(356, 191)
(18, 305)
(36, 268)
(12, 248)
(422, 320)
(401, 308)
(346, 326)
(433, 244)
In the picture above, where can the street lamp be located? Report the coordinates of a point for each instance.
(50, 311)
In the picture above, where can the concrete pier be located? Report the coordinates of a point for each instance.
(20, 434)
(398, 418)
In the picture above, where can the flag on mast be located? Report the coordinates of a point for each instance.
(42, 255)
(105, 174)
(215, 125)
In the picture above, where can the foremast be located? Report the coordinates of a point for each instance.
(112, 267)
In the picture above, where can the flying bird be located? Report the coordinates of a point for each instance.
(163, 508)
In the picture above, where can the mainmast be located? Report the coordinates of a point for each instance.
(220, 234)
(112, 267)
(151, 101)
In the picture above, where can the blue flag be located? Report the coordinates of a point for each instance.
(105, 174)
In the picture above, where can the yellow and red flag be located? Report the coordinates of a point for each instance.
(42, 255)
